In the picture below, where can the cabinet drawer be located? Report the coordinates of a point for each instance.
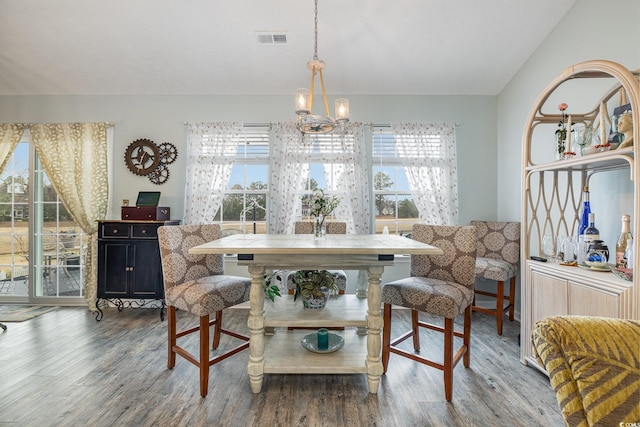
(144, 231)
(114, 230)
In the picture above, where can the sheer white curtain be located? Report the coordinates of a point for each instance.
(346, 172)
(211, 151)
(428, 155)
(289, 168)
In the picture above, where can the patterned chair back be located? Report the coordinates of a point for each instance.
(178, 265)
(458, 262)
(498, 240)
(333, 227)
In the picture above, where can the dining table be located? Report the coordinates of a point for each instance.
(266, 252)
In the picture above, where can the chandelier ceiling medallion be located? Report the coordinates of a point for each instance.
(307, 122)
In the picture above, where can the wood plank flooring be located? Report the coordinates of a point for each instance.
(65, 369)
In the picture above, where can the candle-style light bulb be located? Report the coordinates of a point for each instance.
(301, 101)
(342, 110)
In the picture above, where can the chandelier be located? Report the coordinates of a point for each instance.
(307, 122)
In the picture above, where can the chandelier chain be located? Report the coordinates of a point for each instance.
(315, 34)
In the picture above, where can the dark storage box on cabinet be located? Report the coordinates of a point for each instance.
(146, 213)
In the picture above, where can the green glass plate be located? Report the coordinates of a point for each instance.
(310, 342)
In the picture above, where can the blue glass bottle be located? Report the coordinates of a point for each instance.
(584, 217)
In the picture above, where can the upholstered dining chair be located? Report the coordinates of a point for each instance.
(333, 227)
(498, 255)
(440, 285)
(196, 284)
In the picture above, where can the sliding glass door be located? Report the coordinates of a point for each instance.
(41, 248)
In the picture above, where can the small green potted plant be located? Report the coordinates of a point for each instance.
(314, 287)
(272, 291)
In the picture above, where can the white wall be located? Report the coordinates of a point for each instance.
(592, 29)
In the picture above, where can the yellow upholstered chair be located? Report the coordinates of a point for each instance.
(440, 285)
(498, 255)
(197, 284)
(594, 367)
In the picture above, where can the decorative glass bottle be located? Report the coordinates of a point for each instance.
(591, 233)
(621, 244)
(584, 216)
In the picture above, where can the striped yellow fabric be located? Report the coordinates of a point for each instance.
(594, 367)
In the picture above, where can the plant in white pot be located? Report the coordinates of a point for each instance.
(314, 287)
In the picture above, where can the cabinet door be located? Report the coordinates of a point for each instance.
(549, 296)
(113, 277)
(146, 278)
(587, 301)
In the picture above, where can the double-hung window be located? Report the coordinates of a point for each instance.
(393, 203)
(244, 205)
(414, 176)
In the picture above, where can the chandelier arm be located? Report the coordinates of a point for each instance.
(313, 84)
(324, 94)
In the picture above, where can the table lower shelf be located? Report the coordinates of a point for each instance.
(284, 354)
(344, 310)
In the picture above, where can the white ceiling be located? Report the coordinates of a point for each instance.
(204, 47)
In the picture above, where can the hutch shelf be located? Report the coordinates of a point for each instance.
(552, 198)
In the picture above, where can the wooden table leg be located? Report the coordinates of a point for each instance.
(256, 328)
(374, 325)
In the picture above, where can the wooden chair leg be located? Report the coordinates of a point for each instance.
(512, 293)
(466, 338)
(448, 359)
(171, 324)
(204, 355)
(386, 337)
(500, 306)
(217, 328)
(416, 330)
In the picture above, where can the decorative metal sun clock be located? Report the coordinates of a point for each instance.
(144, 158)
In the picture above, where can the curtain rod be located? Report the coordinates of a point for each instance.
(110, 124)
(388, 125)
(247, 125)
(382, 125)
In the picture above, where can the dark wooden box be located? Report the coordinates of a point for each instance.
(148, 213)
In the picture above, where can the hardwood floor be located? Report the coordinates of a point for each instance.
(65, 369)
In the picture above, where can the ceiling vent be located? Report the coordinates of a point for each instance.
(271, 38)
